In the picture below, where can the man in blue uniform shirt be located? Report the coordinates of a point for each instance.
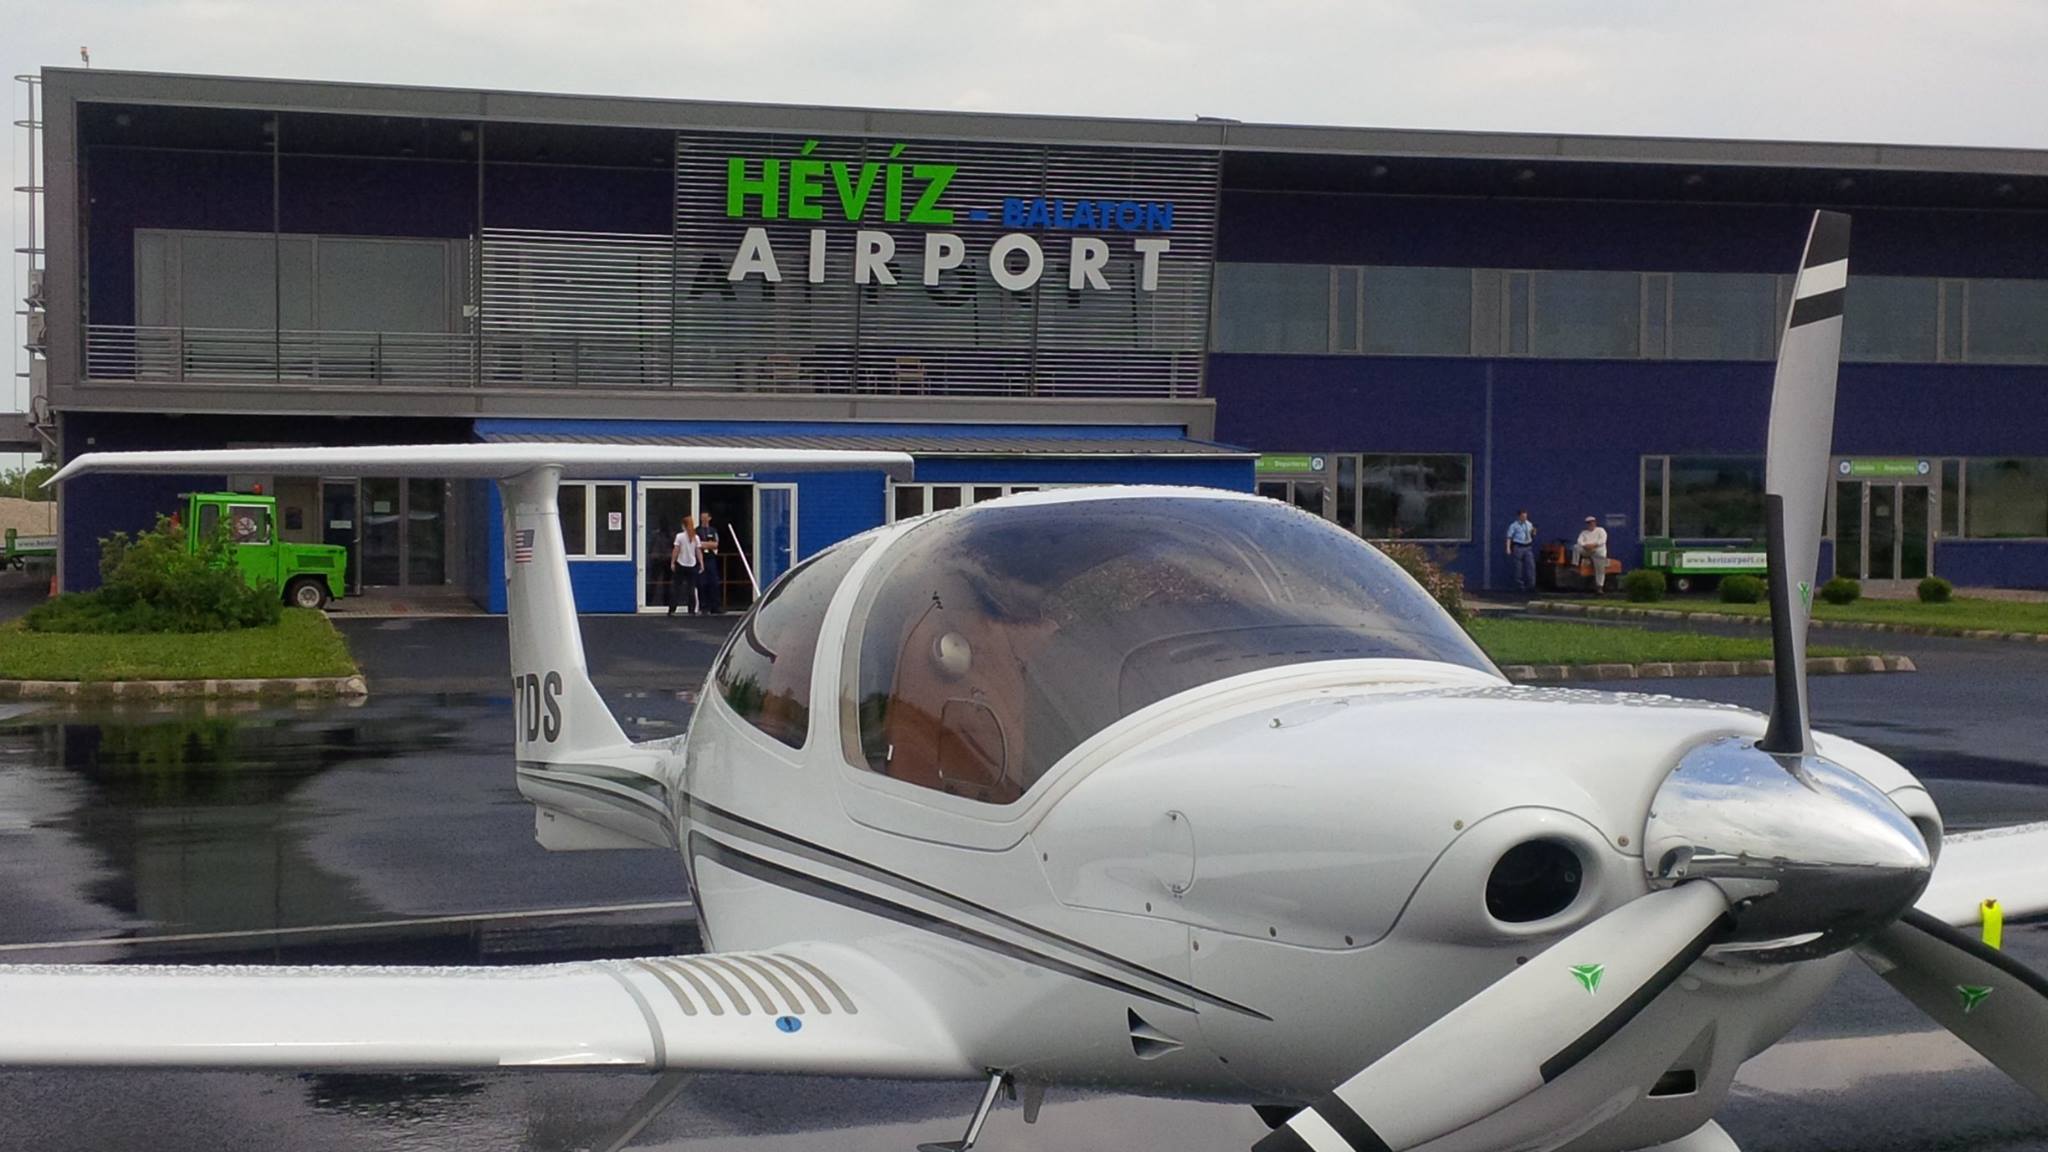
(1522, 548)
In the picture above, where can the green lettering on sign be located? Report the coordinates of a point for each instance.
(1286, 464)
(1874, 467)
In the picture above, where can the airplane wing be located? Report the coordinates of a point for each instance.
(2009, 865)
(807, 1008)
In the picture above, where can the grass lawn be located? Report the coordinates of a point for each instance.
(1968, 615)
(302, 644)
(1563, 642)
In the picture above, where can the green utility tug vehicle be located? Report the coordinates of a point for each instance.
(309, 575)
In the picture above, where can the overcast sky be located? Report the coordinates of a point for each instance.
(1912, 71)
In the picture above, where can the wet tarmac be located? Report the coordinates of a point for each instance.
(392, 832)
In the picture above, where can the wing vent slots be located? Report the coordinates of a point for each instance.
(1147, 1041)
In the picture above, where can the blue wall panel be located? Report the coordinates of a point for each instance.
(831, 506)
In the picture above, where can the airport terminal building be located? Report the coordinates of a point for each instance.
(1413, 334)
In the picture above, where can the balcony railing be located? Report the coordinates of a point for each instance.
(570, 361)
(254, 355)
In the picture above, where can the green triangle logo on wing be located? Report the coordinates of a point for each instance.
(1588, 976)
(1973, 995)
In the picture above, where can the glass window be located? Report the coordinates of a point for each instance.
(1272, 308)
(1890, 318)
(570, 500)
(909, 501)
(383, 285)
(1586, 314)
(610, 519)
(1518, 313)
(1418, 311)
(1951, 523)
(1723, 316)
(945, 496)
(1347, 492)
(249, 523)
(1717, 498)
(1345, 313)
(426, 536)
(1132, 599)
(765, 673)
(1417, 497)
(987, 492)
(1656, 310)
(1653, 496)
(2008, 497)
(2009, 321)
(209, 520)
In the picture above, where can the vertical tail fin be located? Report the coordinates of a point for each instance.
(557, 711)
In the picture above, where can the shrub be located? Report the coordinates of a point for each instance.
(1742, 588)
(1644, 585)
(149, 582)
(1935, 590)
(1841, 590)
(1448, 588)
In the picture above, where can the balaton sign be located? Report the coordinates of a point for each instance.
(910, 191)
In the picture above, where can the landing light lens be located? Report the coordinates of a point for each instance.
(1533, 881)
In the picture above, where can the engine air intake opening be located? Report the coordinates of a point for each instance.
(1534, 880)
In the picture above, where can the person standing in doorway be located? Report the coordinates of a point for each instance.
(1592, 547)
(710, 597)
(1522, 549)
(683, 559)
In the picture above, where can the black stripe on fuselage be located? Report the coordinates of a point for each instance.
(769, 872)
(1640, 999)
(1816, 308)
(743, 828)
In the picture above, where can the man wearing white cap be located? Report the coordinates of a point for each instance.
(1592, 546)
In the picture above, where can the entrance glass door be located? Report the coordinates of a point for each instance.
(666, 507)
(1883, 530)
(338, 525)
(1310, 494)
(383, 531)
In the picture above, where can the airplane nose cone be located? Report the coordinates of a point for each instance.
(1813, 856)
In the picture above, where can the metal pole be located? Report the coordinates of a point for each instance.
(276, 251)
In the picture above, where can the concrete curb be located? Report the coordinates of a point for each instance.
(1689, 669)
(1617, 612)
(351, 687)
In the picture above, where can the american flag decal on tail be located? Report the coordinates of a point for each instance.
(522, 546)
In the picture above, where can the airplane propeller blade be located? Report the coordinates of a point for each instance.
(1991, 1001)
(1796, 468)
(1520, 1033)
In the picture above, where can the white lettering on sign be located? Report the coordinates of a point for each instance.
(872, 252)
(757, 255)
(1016, 280)
(1016, 260)
(943, 251)
(1090, 253)
(1723, 560)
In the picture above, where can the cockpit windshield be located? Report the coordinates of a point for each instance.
(993, 641)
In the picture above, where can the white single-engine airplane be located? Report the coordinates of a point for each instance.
(1164, 791)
